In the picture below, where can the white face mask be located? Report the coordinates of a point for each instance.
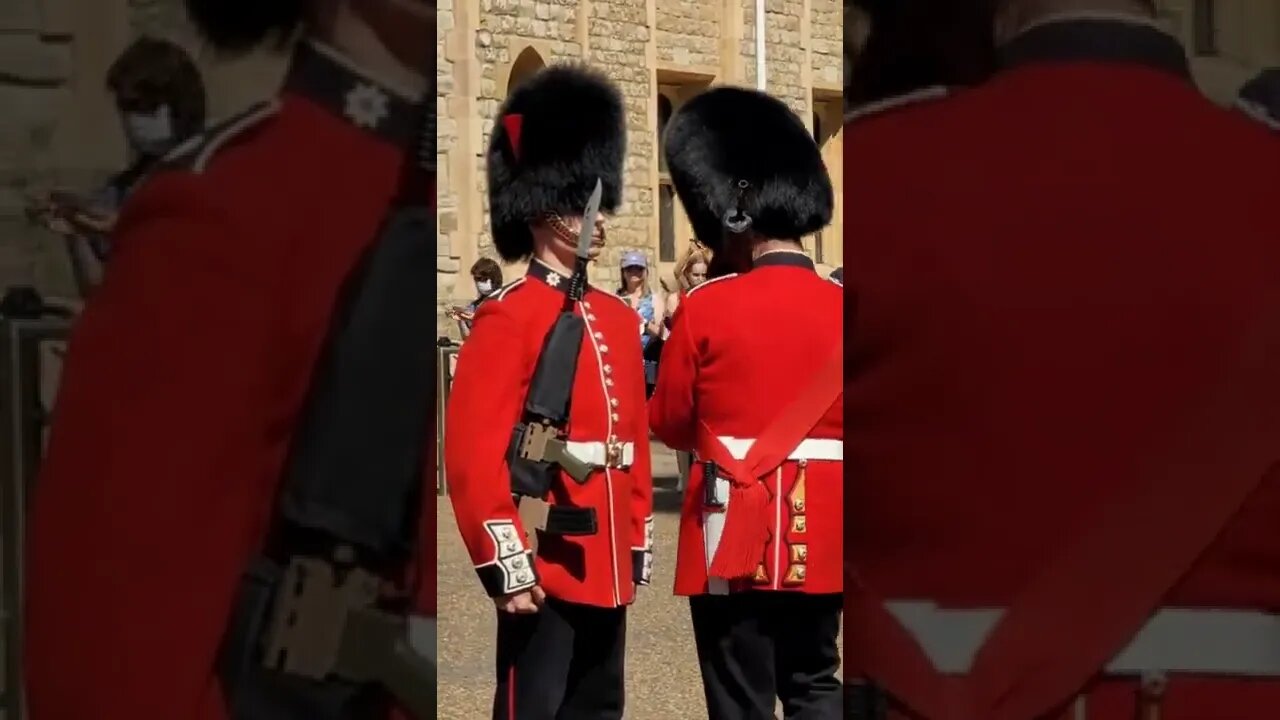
(149, 133)
(484, 287)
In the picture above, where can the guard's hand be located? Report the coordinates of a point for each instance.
(525, 602)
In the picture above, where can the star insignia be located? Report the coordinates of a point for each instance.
(553, 280)
(366, 106)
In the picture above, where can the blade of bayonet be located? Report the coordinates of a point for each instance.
(589, 220)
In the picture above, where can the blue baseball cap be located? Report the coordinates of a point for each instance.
(634, 258)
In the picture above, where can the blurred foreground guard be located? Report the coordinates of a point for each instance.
(759, 553)
(1063, 375)
(548, 444)
(196, 379)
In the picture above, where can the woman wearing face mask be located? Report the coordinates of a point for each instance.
(487, 276)
(161, 100)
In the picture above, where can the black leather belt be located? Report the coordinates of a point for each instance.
(563, 520)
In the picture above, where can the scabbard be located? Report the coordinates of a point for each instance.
(411, 680)
(376, 648)
(865, 701)
(715, 503)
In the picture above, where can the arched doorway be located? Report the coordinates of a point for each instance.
(828, 133)
(528, 62)
(666, 192)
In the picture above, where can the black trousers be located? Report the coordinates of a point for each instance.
(562, 663)
(756, 648)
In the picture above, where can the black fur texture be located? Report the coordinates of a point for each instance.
(728, 135)
(235, 25)
(573, 131)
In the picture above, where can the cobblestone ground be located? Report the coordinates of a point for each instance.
(662, 668)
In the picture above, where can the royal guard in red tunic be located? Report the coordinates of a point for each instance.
(189, 370)
(1063, 378)
(760, 552)
(547, 449)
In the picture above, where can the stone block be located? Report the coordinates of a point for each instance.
(447, 223)
(30, 60)
(21, 15)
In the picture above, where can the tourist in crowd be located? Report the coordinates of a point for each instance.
(691, 272)
(161, 100)
(649, 306)
(487, 276)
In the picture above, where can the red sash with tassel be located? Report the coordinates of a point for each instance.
(747, 512)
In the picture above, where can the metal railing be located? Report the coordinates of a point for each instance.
(446, 363)
(30, 365)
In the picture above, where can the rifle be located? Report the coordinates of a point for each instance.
(537, 450)
(313, 634)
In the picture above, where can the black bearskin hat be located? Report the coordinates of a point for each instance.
(741, 160)
(557, 132)
(234, 25)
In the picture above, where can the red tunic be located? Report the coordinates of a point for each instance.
(741, 348)
(184, 379)
(608, 403)
(1052, 277)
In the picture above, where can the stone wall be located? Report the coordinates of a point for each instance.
(747, 45)
(618, 34)
(37, 58)
(506, 29)
(786, 57)
(448, 129)
(688, 33)
(826, 42)
(158, 17)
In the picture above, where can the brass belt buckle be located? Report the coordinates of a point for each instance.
(613, 454)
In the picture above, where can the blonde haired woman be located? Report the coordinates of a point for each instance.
(690, 272)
